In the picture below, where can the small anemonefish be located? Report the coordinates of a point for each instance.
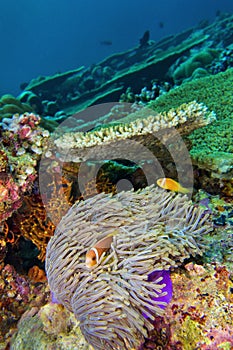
(172, 185)
(94, 254)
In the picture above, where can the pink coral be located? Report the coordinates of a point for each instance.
(200, 313)
(21, 146)
(25, 132)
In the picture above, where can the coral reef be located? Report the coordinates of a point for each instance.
(139, 138)
(211, 146)
(145, 94)
(188, 53)
(201, 59)
(224, 62)
(50, 327)
(10, 105)
(198, 316)
(21, 145)
(74, 146)
(33, 223)
(107, 80)
(125, 300)
(17, 294)
(204, 90)
(148, 236)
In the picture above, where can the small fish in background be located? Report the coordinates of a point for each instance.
(161, 25)
(144, 41)
(106, 42)
(172, 185)
(94, 254)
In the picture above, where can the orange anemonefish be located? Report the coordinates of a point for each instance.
(172, 185)
(94, 254)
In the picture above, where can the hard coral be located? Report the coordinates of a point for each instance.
(33, 223)
(36, 274)
(152, 231)
(21, 146)
(51, 327)
(76, 146)
(200, 314)
(36, 222)
(16, 294)
(10, 105)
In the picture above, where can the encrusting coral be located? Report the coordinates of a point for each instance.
(117, 299)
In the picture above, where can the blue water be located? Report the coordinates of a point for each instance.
(44, 37)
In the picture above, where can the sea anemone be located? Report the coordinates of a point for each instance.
(115, 301)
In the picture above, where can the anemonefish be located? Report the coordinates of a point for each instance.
(172, 185)
(94, 254)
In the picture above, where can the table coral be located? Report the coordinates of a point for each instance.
(76, 146)
(92, 85)
(136, 68)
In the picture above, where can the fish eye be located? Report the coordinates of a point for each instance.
(93, 258)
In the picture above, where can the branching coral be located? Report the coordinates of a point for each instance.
(32, 219)
(33, 223)
(75, 146)
(152, 231)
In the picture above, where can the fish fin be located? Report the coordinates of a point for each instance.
(184, 190)
(104, 243)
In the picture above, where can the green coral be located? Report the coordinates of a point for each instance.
(212, 145)
(199, 60)
(51, 328)
(214, 91)
(189, 331)
(225, 346)
(10, 105)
